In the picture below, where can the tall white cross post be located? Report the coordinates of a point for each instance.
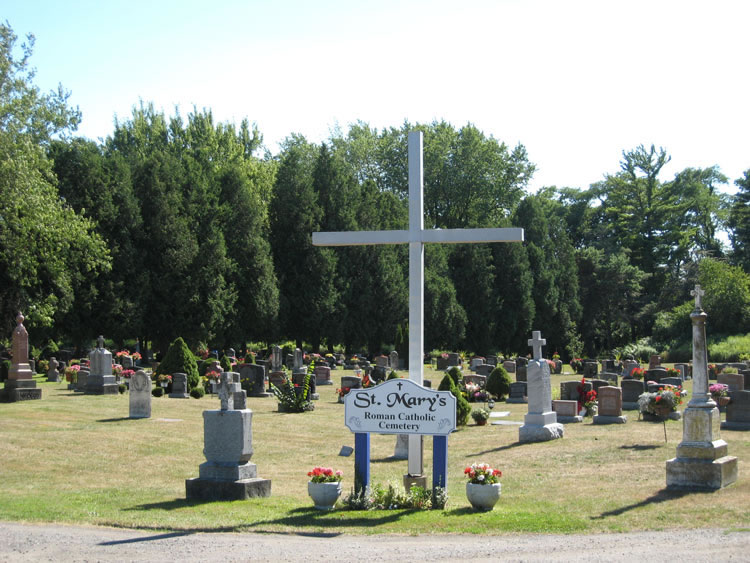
(416, 237)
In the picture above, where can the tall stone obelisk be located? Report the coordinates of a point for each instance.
(702, 461)
(21, 385)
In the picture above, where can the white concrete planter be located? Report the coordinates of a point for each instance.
(483, 497)
(324, 495)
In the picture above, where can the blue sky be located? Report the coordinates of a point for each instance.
(576, 82)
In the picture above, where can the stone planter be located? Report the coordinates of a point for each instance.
(482, 422)
(483, 497)
(324, 495)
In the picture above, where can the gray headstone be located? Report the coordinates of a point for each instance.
(631, 390)
(179, 386)
(510, 366)
(738, 411)
(735, 381)
(590, 368)
(517, 392)
(323, 375)
(393, 358)
(256, 374)
(485, 369)
(540, 424)
(140, 395)
(275, 358)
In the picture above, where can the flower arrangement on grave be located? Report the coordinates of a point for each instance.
(367, 382)
(576, 365)
(712, 370)
(480, 416)
(718, 390)
(343, 391)
(474, 393)
(482, 474)
(71, 373)
(212, 375)
(673, 372)
(552, 365)
(556, 357)
(589, 402)
(203, 353)
(122, 353)
(164, 379)
(127, 373)
(661, 403)
(325, 475)
(637, 373)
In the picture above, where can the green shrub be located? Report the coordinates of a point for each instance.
(122, 388)
(463, 408)
(197, 392)
(157, 391)
(4, 370)
(729, 349)
(288, 399)
(392, 375)
(179, 359)
(498, 382)
(641, 350)
(456, 375)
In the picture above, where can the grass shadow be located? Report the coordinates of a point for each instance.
(506, 447)
(661, 496)
(169, 504)
(118, 419)
(640, 447)
(149, 538)
(464, 511)
(308, 517)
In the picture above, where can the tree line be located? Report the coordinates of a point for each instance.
(186, 227)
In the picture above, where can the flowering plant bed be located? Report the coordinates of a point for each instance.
(637, 373)
(482, 474)
(661, 403)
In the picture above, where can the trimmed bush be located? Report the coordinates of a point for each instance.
(498, 382)
(456, 375)
(226, 363)
(122, 388)
(157, 391)
(197, 392)
(463, 408)
(179, 359)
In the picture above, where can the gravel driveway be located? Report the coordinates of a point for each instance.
(33, 542)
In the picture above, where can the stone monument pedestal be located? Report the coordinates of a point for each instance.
(20, 390)
(540, 427)
(702, 461)
(101, 385)
(228, 446)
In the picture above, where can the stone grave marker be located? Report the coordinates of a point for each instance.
(485, 369)
(52, 373)
(738, 411)
(276, 358)
(628, 366)
(289, 362)
(656, 374)
(20, 385)
(299, 362)
(609, 399)
(569, 389)
(227, 473)
(276, 378)
(540, 423)
(610, 377)
(393, 359)
(140, 395)
(684, 370)
(323, 375)
(654, 361)
(491, 360)
(382, 361)
(100, 381)
(126, 362)
(81, 380)
(298, 379)
(596, 384)
(510, 366)
(518, 392)
(702, 460)
(476, 362)
(454, 360)
(480, 380)
(590, 368)
(567, 411)
(179, 386)
(256, 375)
(735, 381)
(631, 390)
(676, 381)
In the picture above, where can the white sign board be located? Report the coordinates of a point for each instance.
(400, 406)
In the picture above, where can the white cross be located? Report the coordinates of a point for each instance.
(698, 293)
(416, 237)
(536, 342)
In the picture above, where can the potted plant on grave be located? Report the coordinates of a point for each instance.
(342, 393)
(637, 373)
(720, 393)
(589, 404)
(480, 416)
(576, 365)
(661, 403)
(483, 487)
(324, 487)
(71, 373)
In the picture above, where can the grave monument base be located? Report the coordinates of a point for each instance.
(729, 425)
(20, 390)
(101, 385)
(630, 406)
(702, 461)
(215, 489)
(569, 419)
(540, 433)
(603, 419)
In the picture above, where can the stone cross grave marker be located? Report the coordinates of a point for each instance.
(536, 342)
(416, 237)
(225, 391)
(698, 293)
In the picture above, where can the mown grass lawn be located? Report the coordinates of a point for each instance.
(79, 459)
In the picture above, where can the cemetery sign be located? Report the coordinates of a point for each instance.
(400, 406)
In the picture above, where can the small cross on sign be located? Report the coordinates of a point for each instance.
(698, 293)
(536, 342)
(225, 394)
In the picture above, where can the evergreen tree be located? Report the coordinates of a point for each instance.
(739, 222)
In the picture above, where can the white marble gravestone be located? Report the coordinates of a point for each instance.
(140, 395)
(540, 424)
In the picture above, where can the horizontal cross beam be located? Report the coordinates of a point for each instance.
(446, 236)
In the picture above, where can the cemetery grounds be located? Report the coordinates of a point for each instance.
(78, 459)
